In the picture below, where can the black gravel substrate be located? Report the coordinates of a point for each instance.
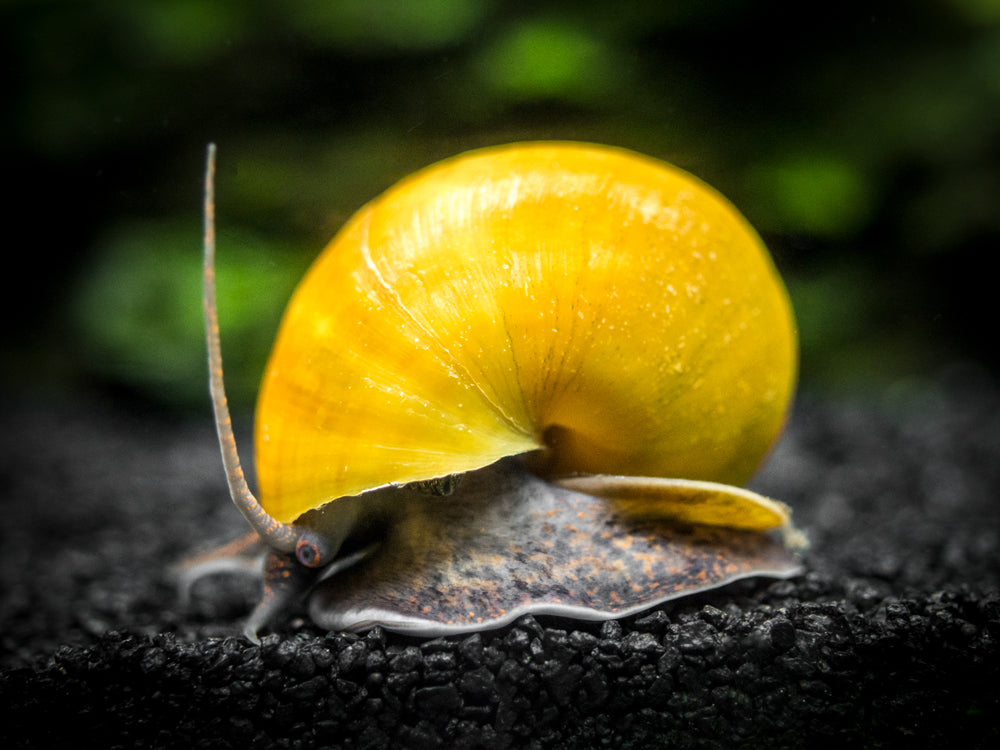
(889, 640)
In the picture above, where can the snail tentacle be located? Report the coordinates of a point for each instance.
(285, 581)
(278, 535)
(242, 555)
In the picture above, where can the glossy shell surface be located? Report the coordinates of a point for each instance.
(587, 299)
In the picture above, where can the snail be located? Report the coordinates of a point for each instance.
(530, 378)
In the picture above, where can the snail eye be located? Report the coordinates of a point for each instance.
(312, 550)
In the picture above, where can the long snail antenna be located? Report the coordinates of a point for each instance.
(279, 536)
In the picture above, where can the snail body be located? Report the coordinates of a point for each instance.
(557, 326)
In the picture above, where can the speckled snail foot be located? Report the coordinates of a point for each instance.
(526, 379)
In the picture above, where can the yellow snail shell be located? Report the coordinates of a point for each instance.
(603, 315)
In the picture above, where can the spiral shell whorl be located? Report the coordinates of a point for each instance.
(475, 305)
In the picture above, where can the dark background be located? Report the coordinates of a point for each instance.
(861, 141)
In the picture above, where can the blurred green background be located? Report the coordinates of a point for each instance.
(861, 139)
